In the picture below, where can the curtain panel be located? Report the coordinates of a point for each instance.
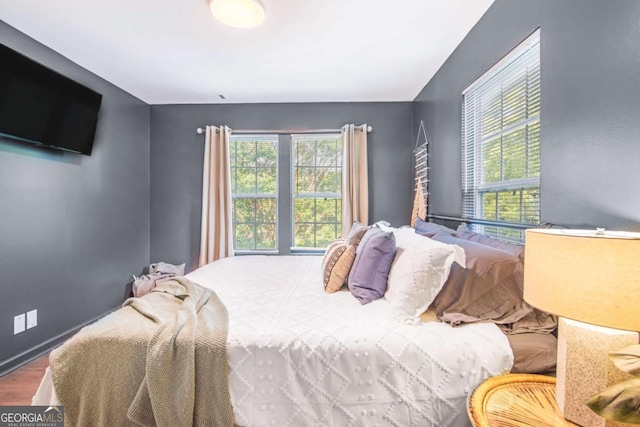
(216, 236)
(355, 178)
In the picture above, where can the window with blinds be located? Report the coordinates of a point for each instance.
(501, 143)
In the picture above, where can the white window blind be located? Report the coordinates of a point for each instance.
(501, 142)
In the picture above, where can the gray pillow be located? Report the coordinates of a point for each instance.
(357, 232)
(466, 233)
(429, 229)
(533, 353)
(488, 289)
(370, 270)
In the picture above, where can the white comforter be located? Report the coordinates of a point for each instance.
(300, 357)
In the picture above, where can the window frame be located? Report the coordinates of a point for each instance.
(314, 195)
(285, 192)
(235, 196)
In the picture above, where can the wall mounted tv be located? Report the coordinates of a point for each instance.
(41, 106)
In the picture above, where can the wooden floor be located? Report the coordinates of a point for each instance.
(19, 386)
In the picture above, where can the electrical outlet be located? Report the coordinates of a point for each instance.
(18, 324)
(32, 319)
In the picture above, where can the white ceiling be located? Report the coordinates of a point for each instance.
(174, 51)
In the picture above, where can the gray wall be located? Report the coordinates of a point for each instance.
(590, 117)
(177, 158)
(72, 227)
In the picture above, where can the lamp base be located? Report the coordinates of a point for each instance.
(584, 368)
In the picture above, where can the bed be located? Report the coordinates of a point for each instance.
(298, 356)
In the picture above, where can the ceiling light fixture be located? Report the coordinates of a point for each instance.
(238, 13)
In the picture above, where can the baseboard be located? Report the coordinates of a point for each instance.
(27, 356)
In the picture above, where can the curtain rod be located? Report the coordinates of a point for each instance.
(285, 131)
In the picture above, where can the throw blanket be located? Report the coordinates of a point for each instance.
(159, 360)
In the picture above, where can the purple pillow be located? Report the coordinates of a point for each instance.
(368, 276)
(430, 229)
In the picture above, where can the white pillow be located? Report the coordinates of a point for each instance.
(418, 272)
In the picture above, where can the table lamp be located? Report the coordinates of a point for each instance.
(591, 279)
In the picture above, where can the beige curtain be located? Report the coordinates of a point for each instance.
(216, 236)
(355, 179)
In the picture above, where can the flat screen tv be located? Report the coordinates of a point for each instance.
(41, 106)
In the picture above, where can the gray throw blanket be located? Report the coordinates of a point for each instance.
(158, 361)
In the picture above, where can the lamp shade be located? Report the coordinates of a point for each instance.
(238, 13)
(589, 276)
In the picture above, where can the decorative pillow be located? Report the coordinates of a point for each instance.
(488, 289)
(370, 270)
(533, 353)
(356, 234)
(428, 229)
(419, 270)
(466, 233)
(336, 264)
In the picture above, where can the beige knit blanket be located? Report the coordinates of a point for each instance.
(160, 360)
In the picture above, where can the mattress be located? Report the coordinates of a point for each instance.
(301, 357)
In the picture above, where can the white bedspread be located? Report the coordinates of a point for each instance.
(300, 357)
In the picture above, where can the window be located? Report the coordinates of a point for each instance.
(301, 172)
(254, 183)
(316, 181)
(501, 143)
